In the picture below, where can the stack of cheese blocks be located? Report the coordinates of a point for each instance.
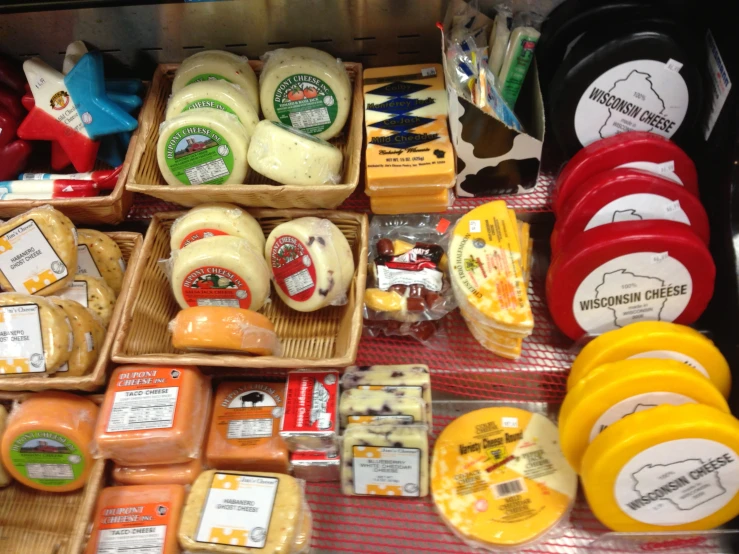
(410, 162)
(491, 257)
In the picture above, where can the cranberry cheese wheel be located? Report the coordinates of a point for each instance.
(619, 195)
(622, 273)
(636, 149)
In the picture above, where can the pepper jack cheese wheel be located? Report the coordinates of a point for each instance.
(292, 157)
(46, 443)
(48, 331)
(220, 271)
(216, 95)
(88, 333)
(311, 263)
(209, 220)
(203, 147)
(38, 252)
(93, 293)
(98, 255)
(213, 65)
(168, 474)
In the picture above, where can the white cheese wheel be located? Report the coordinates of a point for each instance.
(304, 92)
(303, 52)
(311, 263)
(203, 147)
(292, 157)
(220, 271)
(218, 95)
(209, 220)
(214, 65)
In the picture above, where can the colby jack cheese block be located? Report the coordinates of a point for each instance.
(100, 256)
(210, 220)
(310, 420)
(38, 252)
(88, 333)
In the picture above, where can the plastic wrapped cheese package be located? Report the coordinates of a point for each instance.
(98, 255)
(310, 421)
(401, 406)
(88, 335)
(153, 415)
(210, 220)
(93, 293)
(170, 474)
(292, 157)
(224, 329)
(313, 466)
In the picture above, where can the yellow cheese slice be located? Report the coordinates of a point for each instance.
(672, 468)
(655, 339)
(498, 477)
(614, 391)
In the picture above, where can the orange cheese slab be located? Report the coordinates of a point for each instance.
(153, 415)
(46, 444)
(408, 204)
(137, 519)
(170, 474)
(245, 426)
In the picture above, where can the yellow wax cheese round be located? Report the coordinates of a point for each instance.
(613, 391)
(672, 468)
(499, 479)
(655, 339)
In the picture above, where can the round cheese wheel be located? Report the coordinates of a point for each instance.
(671, 468)
(285, 55)
(215, 95)
(203, 147)
(654, 339)
(489, 464)
(88, 333)
(100, 297)
(5, 478)
(220, 271)
(619, 389)
(303, 92)
(46, 445)
(292, 157)
(311, 263)
(214, 65)
(106, 258)
(210, 220)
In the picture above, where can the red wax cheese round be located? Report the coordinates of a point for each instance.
(619, 195)
(617, 274)
(637, 149)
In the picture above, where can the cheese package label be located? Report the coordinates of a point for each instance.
(21, 340)
(85, 262)
(47, 458)
(238, 510)
(387, 471)
(138, 528)
(311, 403)
(138, 407)
(198, 155)
(76, 291)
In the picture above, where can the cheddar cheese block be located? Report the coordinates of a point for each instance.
(436, 202)
(169, 474)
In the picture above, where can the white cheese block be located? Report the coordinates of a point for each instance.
(217, 95)
(210, 220)
(203, 147)
(213, 65)
(304, 92)
(220, 271)
(292, 157)
(311, 263)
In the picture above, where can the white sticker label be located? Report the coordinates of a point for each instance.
(640, 95)
(49, 471)
(659, 258)
(632, 288)
(21, 342)
(475, 226)
(720, 85)
(510, 422)
(634, 404)
(678, 482)
(638, 207)
(89, 342)
(27, 259)
(387, 471)
(665, 170)
(426, 277)
(85, 264)
(249, 428)
(141, 540)
(135, 410)
(238, 510)
(671, 355)
(63, 369)
(76, 292)
(673, 65)
(122, 264)
(428, 72)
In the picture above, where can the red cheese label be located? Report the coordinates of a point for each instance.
(200, 234)
(313, 456)
(311, 402)
(216, 286)
(134, 527)
(293, 268)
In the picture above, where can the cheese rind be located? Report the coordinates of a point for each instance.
(88, 336)
(292, 157)
(106, 255)
(170, 474)
(216, 219)
(358, 406)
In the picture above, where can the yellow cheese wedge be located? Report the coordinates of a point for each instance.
(655, 339)
(672, 468)
(498, 477)
(620, 389)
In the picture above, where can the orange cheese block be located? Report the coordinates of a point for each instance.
(46, 444)
(153, 415)
(409, 203)
(244, 428)
(222, 328)
(141, 518)
(170, 474)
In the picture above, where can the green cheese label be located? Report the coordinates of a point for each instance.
(208, 103)
(47, 458)
(198, 155)
(207, 77)
(306, 103)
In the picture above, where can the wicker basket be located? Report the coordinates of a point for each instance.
(131, 247)
(325, 338)
(144, 175)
